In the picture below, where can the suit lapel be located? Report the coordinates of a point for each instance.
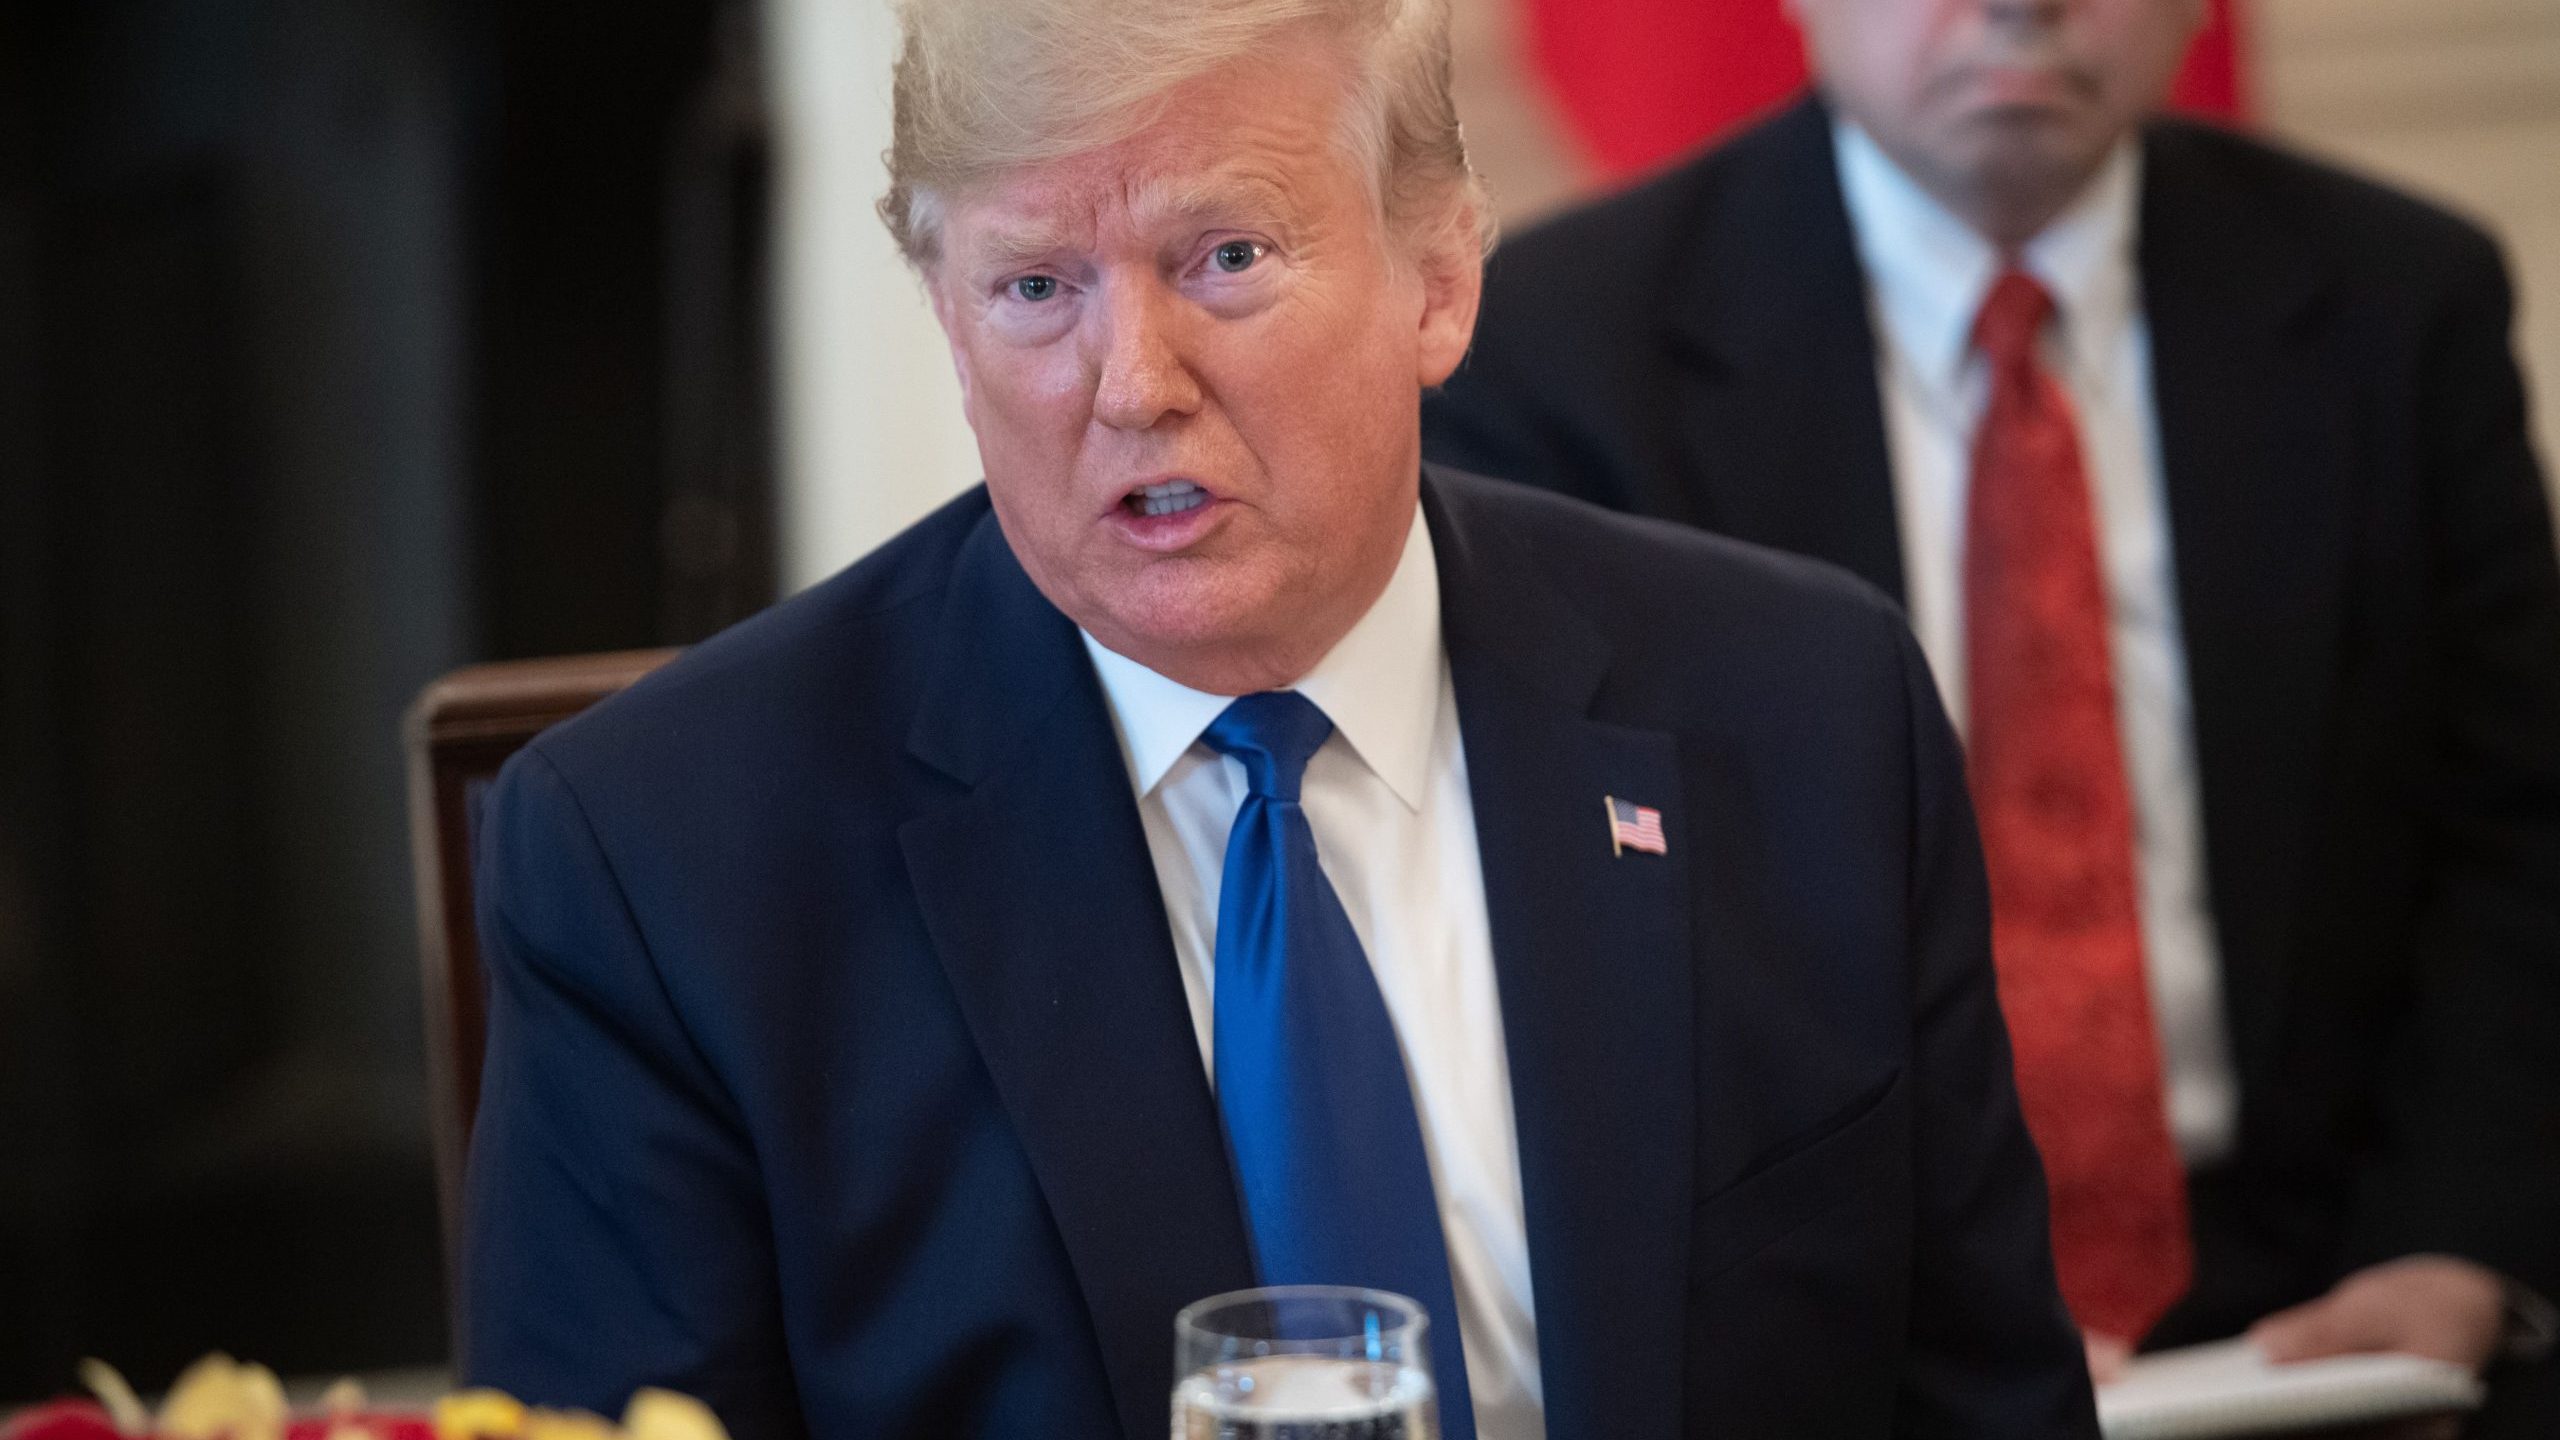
(1592, 955)
(1041, 901)
(1773, 358)
(2254, 436)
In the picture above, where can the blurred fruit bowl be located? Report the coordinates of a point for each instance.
(218, 1398)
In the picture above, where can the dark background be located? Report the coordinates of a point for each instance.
(341, 342)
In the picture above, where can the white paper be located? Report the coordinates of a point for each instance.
(2227, 1389)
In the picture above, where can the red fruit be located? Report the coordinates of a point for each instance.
(61, 1420)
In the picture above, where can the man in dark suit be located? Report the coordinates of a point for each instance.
(1221, 851)
(2299, 501)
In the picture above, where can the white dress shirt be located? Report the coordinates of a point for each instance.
(1927, 273)
(1395, 829)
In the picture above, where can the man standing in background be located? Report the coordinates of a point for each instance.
(2203, 473)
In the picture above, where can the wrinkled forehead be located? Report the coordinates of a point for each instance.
(1273, 153)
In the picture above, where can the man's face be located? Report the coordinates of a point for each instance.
(1998, 106)
(1194, 365)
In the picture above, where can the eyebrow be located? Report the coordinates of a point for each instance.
(1033, 238)
(1022, 244)
(1210, 197)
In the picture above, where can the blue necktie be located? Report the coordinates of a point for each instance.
(1311, 1085)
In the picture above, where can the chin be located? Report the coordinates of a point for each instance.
(2025, 153)
(1152, 622)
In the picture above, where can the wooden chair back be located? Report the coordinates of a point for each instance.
(458, 732)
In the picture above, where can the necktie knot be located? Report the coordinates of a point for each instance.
(2012, 316)
(1273, 733)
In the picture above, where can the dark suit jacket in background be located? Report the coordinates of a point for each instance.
(840, 1071)
(2372, 624)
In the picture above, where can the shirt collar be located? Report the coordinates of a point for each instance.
(1929, 271)
(1380, 685)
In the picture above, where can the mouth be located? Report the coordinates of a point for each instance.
(1168, 516)
(1173, 497)
(2031, 83)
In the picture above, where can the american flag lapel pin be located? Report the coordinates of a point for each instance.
(1634, 827)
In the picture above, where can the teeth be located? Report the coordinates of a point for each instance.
(1170, 498)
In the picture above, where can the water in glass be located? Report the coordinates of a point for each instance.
(1305, 1362)
(1305, 1397)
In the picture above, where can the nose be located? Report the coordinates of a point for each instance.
(1142, 374)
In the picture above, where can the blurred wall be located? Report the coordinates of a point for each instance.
(871, 432)
(2457, 100)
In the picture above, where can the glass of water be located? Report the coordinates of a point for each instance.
(1303, 1362)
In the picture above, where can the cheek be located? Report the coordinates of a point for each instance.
(2136, 45)
(1355, 344)
(1335, 428)
(1923, 44)
(1026, 399)
(1316, 405)
(2161, 35)
(1028, 413)
(1879, 58)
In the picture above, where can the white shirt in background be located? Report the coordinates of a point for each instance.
(1395, 830)
(1927, 273)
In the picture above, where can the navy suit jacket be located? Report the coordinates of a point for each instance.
(2370, 603)
(840, 1072)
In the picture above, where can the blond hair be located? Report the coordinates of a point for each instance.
(984, 86)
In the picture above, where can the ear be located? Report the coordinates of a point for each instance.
(1452, 286)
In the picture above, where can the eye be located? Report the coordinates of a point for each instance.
(1034, 288)
(1235, 256)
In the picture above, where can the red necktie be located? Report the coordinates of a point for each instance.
(2049, 787)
